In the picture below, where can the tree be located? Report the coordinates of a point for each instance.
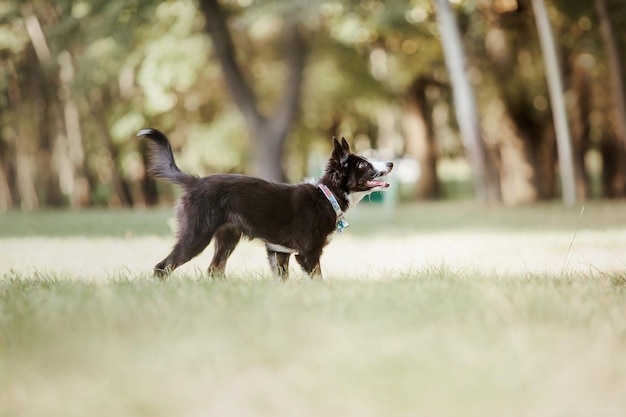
(465, 104)
(555, 87)
(78, 79)
(420, 137)
(615, 69)
(267, 134)
(516, 119)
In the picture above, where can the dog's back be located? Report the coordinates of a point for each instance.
(277, 213)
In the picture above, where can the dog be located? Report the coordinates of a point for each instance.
(290, 219)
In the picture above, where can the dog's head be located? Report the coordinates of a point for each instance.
(354, 174)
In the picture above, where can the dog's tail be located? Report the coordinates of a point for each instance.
(161, 162)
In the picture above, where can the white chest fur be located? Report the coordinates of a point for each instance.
(278, 248)
(283, 249)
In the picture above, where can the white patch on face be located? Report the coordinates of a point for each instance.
(380, 166)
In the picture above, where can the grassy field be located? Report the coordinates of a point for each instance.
(446, 309)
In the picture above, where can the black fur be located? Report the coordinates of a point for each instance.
(225, 207)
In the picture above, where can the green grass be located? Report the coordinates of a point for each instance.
(426, 344)
(92, 222)
(365, 219)
(436, 339)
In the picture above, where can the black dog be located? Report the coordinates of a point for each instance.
(290, 218)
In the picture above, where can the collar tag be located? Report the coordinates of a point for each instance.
(341, 224)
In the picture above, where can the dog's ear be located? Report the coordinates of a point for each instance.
(339, 152)
(344, 144)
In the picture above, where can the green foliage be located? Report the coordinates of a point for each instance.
(150, 63)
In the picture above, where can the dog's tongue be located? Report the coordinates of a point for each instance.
(376, 183)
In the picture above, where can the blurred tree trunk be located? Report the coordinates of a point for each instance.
(37, 99)
(616, 75)
(526, 165)
(60, 154)
(6, 194)
(613, 140)
(420, 138)
(6, 202)
(20, 137)
(24, 163)
(122, 190)
(579, 111)
(267, 135)
(559, 112)
(77, 184)
(465, 102)
(518, 176)
(613, 166)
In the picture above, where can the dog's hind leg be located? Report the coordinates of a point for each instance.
(226, 239)
(188, 246)
(279, 262)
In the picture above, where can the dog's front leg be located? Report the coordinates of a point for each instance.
(310, 262)
(316, 274)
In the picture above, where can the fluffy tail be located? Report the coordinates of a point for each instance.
(161, 159)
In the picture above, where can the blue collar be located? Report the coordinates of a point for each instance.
(341, 223)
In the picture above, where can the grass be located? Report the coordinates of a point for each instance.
(368, 219)
(90, 223)
(504, 314)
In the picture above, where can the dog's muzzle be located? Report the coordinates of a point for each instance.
(374, 183)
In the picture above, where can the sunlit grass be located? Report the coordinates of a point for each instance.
(506, 315)
(427, 343)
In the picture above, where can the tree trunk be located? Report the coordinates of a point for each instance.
(267, 135)
(24, 163)
(60, 152)
(123, 194)
(616, 74)
(79, 193)
(545, 161)
(514, 126)
(613, 166)
(21, 137)
(121, 185)
(518, 178)
(579, 112)
(420, 138)
(5, 190)
(464, 101)
(613, 161)
(559, 112)
(267, 147)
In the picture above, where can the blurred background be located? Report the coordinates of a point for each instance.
(513, 101)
